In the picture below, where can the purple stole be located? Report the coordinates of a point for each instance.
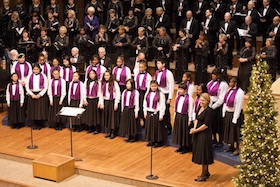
(93, 91)
(185, 104)
(122, 76)
(98, 70)
(58, 89)
(131, 98)
(70, 73)
(163, 77)
(188, 85)
(229, 99)
(143, 85)
(16, 96)
(41, 81)
(111, 90)
(45, 69)
(197, 105)
(77, 94)
(213, 90)
(155, 101)
(53, 68)
(17, 70)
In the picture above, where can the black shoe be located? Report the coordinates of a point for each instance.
(179, 150)
(95, 132)
(132, 140)
(157, 145)
(56, 128)
(108, 135)
(127, 140)
(184, 151)
(89, 131)
(112, 136)
(150, 144)
(39, 128)
(219, 144)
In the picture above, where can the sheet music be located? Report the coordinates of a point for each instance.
(91, 42)
(260, 14)
(242, 32)
(224, 31)
(240, 14)
(277, 12)
(71, 111)
(88, 24)
(19, 30)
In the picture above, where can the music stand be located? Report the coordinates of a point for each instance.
(71, 112)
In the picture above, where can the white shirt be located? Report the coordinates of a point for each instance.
(23, 78)
(67, 73)
(36, 85)
(48, 70)
(136, 100)
(160, 105)
(21, 93)
(265, 10)
(188, 26)
(218, 6)
(275, 30)
(218, 100)
(136, 67)
(102, 71)
(63, 89)
(82, 93)
(226, 26)
(119, 71)
(141, 78)
(169, 89)
(90, 88)
(181, 103)
(237, 107)
(116, 94)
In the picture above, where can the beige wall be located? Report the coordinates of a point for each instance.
(276, 93)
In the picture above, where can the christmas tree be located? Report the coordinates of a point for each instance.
(260, 153)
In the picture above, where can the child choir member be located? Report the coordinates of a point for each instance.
(55, 66)
(233, 115)
(37, 105)
(15, 100)
(22, 68)
(154, 108)
(96, 66)
(202, 146)
(56, 93)
(165, 80)
(129, 125)
(91, 116)
(142, 83)
(183, 118)
(187, 79)
(122, 73)
(76, 98)
(109, 101)
(217, 89)
(46, 67)
(67, 70)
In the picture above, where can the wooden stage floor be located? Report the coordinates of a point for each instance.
(124, 162)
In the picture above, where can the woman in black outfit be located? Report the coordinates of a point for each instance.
(202, 137)
(247, 59)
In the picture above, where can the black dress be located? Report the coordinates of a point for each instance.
(202, 141)
(201, 75)
(182, 54)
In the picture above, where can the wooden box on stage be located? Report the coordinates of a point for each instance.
(54, 167)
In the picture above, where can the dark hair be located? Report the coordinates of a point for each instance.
(55, 69)
(216, 71)
(37, 66)
(249, 40)
(122, 59)
(41, 55)
(183, 31)
(95, 56)
(182, 86)
(111, 80)
(236, 80)
(132, 82)
(155, 82)
(89, 80)
(189, 75)
(203, 87)
(162, 60)
(11, 81)
(144, 62)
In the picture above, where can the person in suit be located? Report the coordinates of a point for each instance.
(267, 14)
(228, 27)
(191, 26)
(235, 7)
(209, 26)
(76, 57)
(218, 8)
(104, 60)
(166, 6)
(251, 11)
(180, 8)
(274, 32)
(251, 29)
(162, 20)
(199, 8)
